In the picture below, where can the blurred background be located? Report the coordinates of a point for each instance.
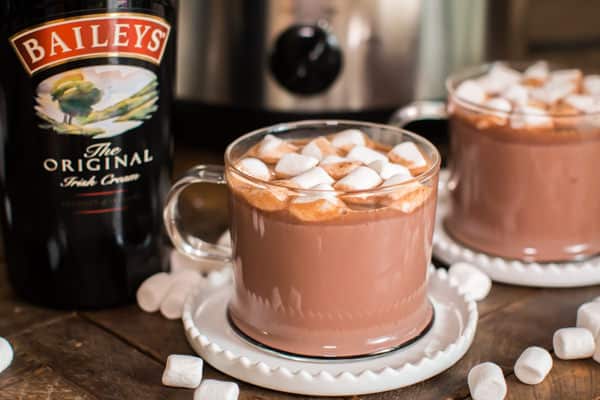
(247, 64)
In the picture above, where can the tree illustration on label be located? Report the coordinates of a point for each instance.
(99, 101)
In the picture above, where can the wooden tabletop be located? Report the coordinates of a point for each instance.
(120, 353)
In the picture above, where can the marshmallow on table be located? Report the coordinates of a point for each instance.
(486, 382)
(407, 153)
(183, 371)
(6, 354)
(470, 280)
(271, 148)
(153, 290)
(311, 178)
(318, 148)
(292, 164)
(348, 138)
(538, 72)
(362, 178)
(255, 168)
(172, 305)
(588, 317)
(470, 91)
(573, 343)
(591, 84)
(212, 389)
(365, 155)
(530, 117)
(533, 365)
(386, 169)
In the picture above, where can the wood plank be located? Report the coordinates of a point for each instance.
(96, 361)
(44, 383)
(578, 379)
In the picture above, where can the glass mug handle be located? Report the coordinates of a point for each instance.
(420, 110)
(183, 241)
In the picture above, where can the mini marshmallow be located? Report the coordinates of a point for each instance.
(348, 138)
(386, 169)
(212, 389)
(588, 317)
(328, 193)
(409, 154)
(292, 164)
(311, 178)
(183, 282)
(530, 117)
(573, 343)
(333, 159)
(255, 168)
(271, 148)
(183, 371)
(518, 94)
(486, 382)
(153, 291)
(365, 155)
(553, 91)
(566, 75)
(499, 78)
(471, 280)
(591, 84)
(499, 104)
(318, 148)
(538, 71)
(397, 179)
(470, 91)
(362, 178)
(6, 354)
(340, 169)
(316, 207)
(533, 365)
(583, 103)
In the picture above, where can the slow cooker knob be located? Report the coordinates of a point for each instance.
(306, 59)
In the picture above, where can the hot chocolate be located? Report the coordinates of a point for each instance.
(332, 241)
(524, 146)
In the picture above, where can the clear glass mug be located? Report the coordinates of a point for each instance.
(519, 193)
(340, 285)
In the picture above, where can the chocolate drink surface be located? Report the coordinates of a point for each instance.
(85, 158)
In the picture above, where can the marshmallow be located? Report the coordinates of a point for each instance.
(183, 371)
(499, 78)
(322, 191)
(386, 169)
(517, 94)
(588, 317)
(153, 291)
(362, 178)
(312, 178)
(537, 72)
(255, 168)
(348, 138)
(6, 354)
(292, 164)
(499, 104)
(471, 280)
(268, 199)
(583, 103)
(333, 159)
(573, 343)
(486, 382)
(183, 282)
(271, 148)
(530, 117)
(591, 85)
(566, 75)
(317, 207)
(341, 168)
(212, 389)
(365, 155)
(533, 365)
(408, 197)
(397, 179)
(470, 91)
(318, 148)
(408, 154)
(553, 91)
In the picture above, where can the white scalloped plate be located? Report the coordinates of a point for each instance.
(210, 335)
(567, 274)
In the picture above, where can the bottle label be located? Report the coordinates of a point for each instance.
(95, 78)
(100, 35)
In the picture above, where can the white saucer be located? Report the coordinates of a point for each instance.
(567, 274)
(209, 333)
